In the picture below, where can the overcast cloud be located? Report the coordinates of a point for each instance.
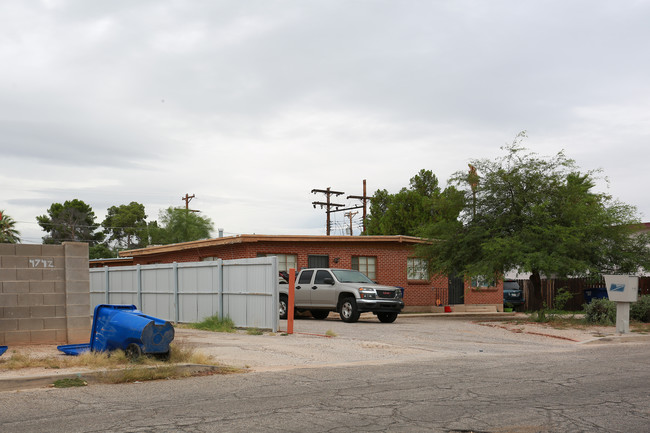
(250, 105)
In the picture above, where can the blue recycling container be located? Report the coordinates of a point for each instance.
(595, 293)
(125, 327)
(3, 349)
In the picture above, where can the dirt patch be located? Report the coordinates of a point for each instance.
(575, 333)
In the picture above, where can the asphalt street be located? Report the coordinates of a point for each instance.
(600, 388)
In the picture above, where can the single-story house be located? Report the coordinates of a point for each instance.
(389, 260)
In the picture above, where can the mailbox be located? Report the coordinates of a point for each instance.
(622, 288)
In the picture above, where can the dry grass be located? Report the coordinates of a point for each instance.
(116, 367)
(642, 328)
(102, 360)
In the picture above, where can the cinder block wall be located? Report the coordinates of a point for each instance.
(44, 294)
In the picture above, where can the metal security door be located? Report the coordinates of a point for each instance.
(456, 290)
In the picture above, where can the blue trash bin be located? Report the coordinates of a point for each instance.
(3, 349)
(595, 293)
(125, 327)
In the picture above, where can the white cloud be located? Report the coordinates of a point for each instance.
(250, 105)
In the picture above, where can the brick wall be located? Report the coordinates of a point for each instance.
(391, 265)
(44, 294)
(484, 295)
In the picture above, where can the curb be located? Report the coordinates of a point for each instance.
(619, 338)
(42, 381)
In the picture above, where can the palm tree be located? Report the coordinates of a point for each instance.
(8, 232)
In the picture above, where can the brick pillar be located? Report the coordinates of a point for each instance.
(77, 292)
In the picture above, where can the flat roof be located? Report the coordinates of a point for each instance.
(241, 239)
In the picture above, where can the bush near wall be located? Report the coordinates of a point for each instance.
(640, 310)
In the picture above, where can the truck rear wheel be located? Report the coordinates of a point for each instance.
(284, 306)
(387, 317)
(349, 311)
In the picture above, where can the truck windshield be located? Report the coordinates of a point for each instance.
(347, 276)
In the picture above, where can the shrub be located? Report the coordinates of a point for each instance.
(600, 311)
(215, 324)
(561, 298)
(640, 310)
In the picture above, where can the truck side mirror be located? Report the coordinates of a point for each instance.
(328, 281)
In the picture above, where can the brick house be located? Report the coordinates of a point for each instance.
(389, 260)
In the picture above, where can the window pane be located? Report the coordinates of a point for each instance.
(320, 276)
(305, 277)
(416, 269)
(366, 265)
(285, 261)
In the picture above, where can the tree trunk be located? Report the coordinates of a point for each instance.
(535, 296)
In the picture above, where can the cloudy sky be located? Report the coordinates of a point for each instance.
(249, 105)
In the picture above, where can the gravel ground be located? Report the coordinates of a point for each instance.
(411, 337)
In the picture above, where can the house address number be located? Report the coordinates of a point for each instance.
(41, 263)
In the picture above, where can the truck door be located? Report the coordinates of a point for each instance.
(323, 294)
(303, 288)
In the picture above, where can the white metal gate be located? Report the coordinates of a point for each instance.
(244, 290)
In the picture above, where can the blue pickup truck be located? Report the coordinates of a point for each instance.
(512, 294)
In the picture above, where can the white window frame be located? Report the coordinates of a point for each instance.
(417, 269)
(285, 261)
(366, 265)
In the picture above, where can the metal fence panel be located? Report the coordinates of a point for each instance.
(122, 284)
(244, 290)
(198, 294)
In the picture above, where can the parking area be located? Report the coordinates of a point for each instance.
(412, 337)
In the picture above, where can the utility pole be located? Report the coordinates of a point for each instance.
(350, 215)
(328, 204)
(364, 198)
(187, 199)
(473, 179)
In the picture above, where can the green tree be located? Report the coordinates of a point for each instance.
(8, 232)
(101, 251)
(535, 215)
(73, 220)
(126, 225)
(411, 209)
(179, 225)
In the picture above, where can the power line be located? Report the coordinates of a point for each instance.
(364, 198)
(328, 204)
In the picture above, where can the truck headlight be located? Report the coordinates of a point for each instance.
(367, 293)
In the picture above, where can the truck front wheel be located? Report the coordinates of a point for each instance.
(349, 311)
(387, 317)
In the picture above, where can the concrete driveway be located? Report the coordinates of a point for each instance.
(411, 337)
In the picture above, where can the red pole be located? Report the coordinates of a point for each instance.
(292, 290)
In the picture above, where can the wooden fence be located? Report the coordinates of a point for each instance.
(575, 286)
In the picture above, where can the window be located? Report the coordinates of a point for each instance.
(321, 275)
(416, 269)
(483, 281)
(305, 277)
(285, 261)
(365, 265)
(318, 261)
